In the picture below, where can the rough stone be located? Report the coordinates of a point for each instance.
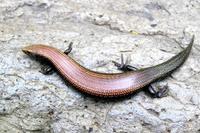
(148, 32)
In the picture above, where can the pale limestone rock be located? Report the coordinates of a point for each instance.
(145, 31)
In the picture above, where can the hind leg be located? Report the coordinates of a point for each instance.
(158, 93)
(124, 65)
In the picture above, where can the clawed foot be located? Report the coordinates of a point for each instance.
(67, 51)
(162, 92)
(124, 65)
(47, 70)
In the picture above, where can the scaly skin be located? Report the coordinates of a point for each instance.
(104, 84)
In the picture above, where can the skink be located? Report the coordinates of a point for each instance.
(105, 84)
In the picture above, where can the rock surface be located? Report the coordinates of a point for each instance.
(148, 32)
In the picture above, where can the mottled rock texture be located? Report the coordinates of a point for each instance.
(148, 32)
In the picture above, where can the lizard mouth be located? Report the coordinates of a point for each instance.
(27, 49)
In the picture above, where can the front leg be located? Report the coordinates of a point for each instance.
(69, 49)
(48, 69)
(158, 93)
